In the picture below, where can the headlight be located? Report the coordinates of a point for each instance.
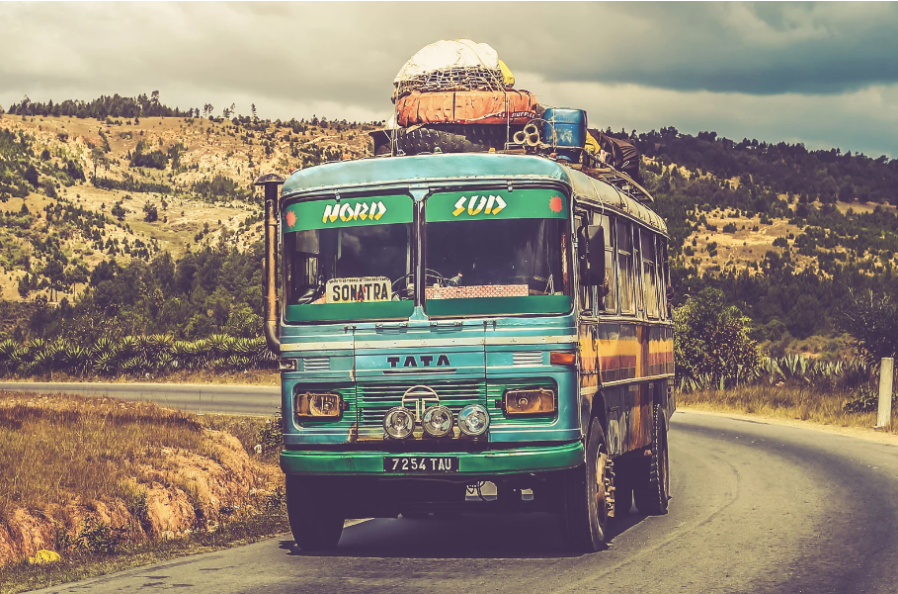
(473, 420)
(399, 422)
(529, 402)
(287, 365)
(322, 406)
(437, 421)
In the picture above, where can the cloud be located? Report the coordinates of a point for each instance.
(862, 121)
(684, 61)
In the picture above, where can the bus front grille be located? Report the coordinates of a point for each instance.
(374, 400)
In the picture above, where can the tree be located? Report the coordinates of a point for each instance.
(151, 214)
(31, 176)
(872, 321)
(98, 157)
(253, 110)
(712, 339)
(118, 211)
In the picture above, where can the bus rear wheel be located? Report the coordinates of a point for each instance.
(652, 487)
(315, 522)
(585, 495)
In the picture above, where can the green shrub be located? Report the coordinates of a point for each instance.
(712, 340)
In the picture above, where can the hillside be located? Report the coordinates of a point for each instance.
(76, 191)
(786, 233)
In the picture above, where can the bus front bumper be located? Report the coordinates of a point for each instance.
(519, 460)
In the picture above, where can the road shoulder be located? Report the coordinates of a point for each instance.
(871, 435)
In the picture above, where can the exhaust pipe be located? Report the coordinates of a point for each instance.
(271, 181)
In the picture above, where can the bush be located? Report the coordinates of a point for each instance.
(872, 321)
(712, 339)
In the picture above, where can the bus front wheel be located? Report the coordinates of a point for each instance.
(585, 505)
(315, 522)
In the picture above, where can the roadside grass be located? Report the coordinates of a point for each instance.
(785, 402)
(96, 454)
(22, 577)
(57, 448)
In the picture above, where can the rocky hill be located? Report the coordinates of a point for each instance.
(77, 191)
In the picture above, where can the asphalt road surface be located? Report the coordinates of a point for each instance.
(207, 398)
(756, 508)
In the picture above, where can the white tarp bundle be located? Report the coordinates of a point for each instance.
(443, 55)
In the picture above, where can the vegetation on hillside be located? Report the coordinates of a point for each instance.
(797, 287)
(150, 167)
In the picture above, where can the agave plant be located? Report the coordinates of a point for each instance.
(11, 355)
(701, 382)
(238, 362)
(133, 365)
(164, 362)
(77, 359)
(221, 345)
(129, 346)
(49, 358)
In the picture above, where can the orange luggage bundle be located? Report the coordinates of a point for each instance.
(466, 107)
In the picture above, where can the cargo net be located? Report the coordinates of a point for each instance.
(474, 78)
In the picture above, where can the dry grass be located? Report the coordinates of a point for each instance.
(784, 402)
(66, 458)
(55, 449)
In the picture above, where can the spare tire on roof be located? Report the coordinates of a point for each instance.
(450, 139)
(467, 107)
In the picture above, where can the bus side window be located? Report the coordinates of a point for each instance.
(584, 290)
(664, 274)
(625, 265)
(649, 276)
(637, 265)
(607, 295)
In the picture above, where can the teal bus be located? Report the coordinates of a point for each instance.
(447, 320)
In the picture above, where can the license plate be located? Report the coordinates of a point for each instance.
(421, 464)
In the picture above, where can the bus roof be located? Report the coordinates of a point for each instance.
(389, 172)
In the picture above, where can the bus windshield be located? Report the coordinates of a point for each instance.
(497, 254)
(349, 260)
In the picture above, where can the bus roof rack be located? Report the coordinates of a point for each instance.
(621, 181)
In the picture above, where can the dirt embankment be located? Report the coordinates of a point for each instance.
(92, 474)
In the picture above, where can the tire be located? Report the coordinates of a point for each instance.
(585, 510)
(426, 140)
(315, 522)
(651, 489)
(490, 135)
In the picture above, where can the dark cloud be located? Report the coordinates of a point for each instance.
(339, 59)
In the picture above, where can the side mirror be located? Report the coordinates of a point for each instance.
(596, 255)
(592, 255)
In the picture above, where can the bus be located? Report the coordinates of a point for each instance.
(448, 320)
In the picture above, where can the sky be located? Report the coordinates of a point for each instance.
(823, 74)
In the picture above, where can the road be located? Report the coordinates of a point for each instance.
(207, 398)
(756, 508)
